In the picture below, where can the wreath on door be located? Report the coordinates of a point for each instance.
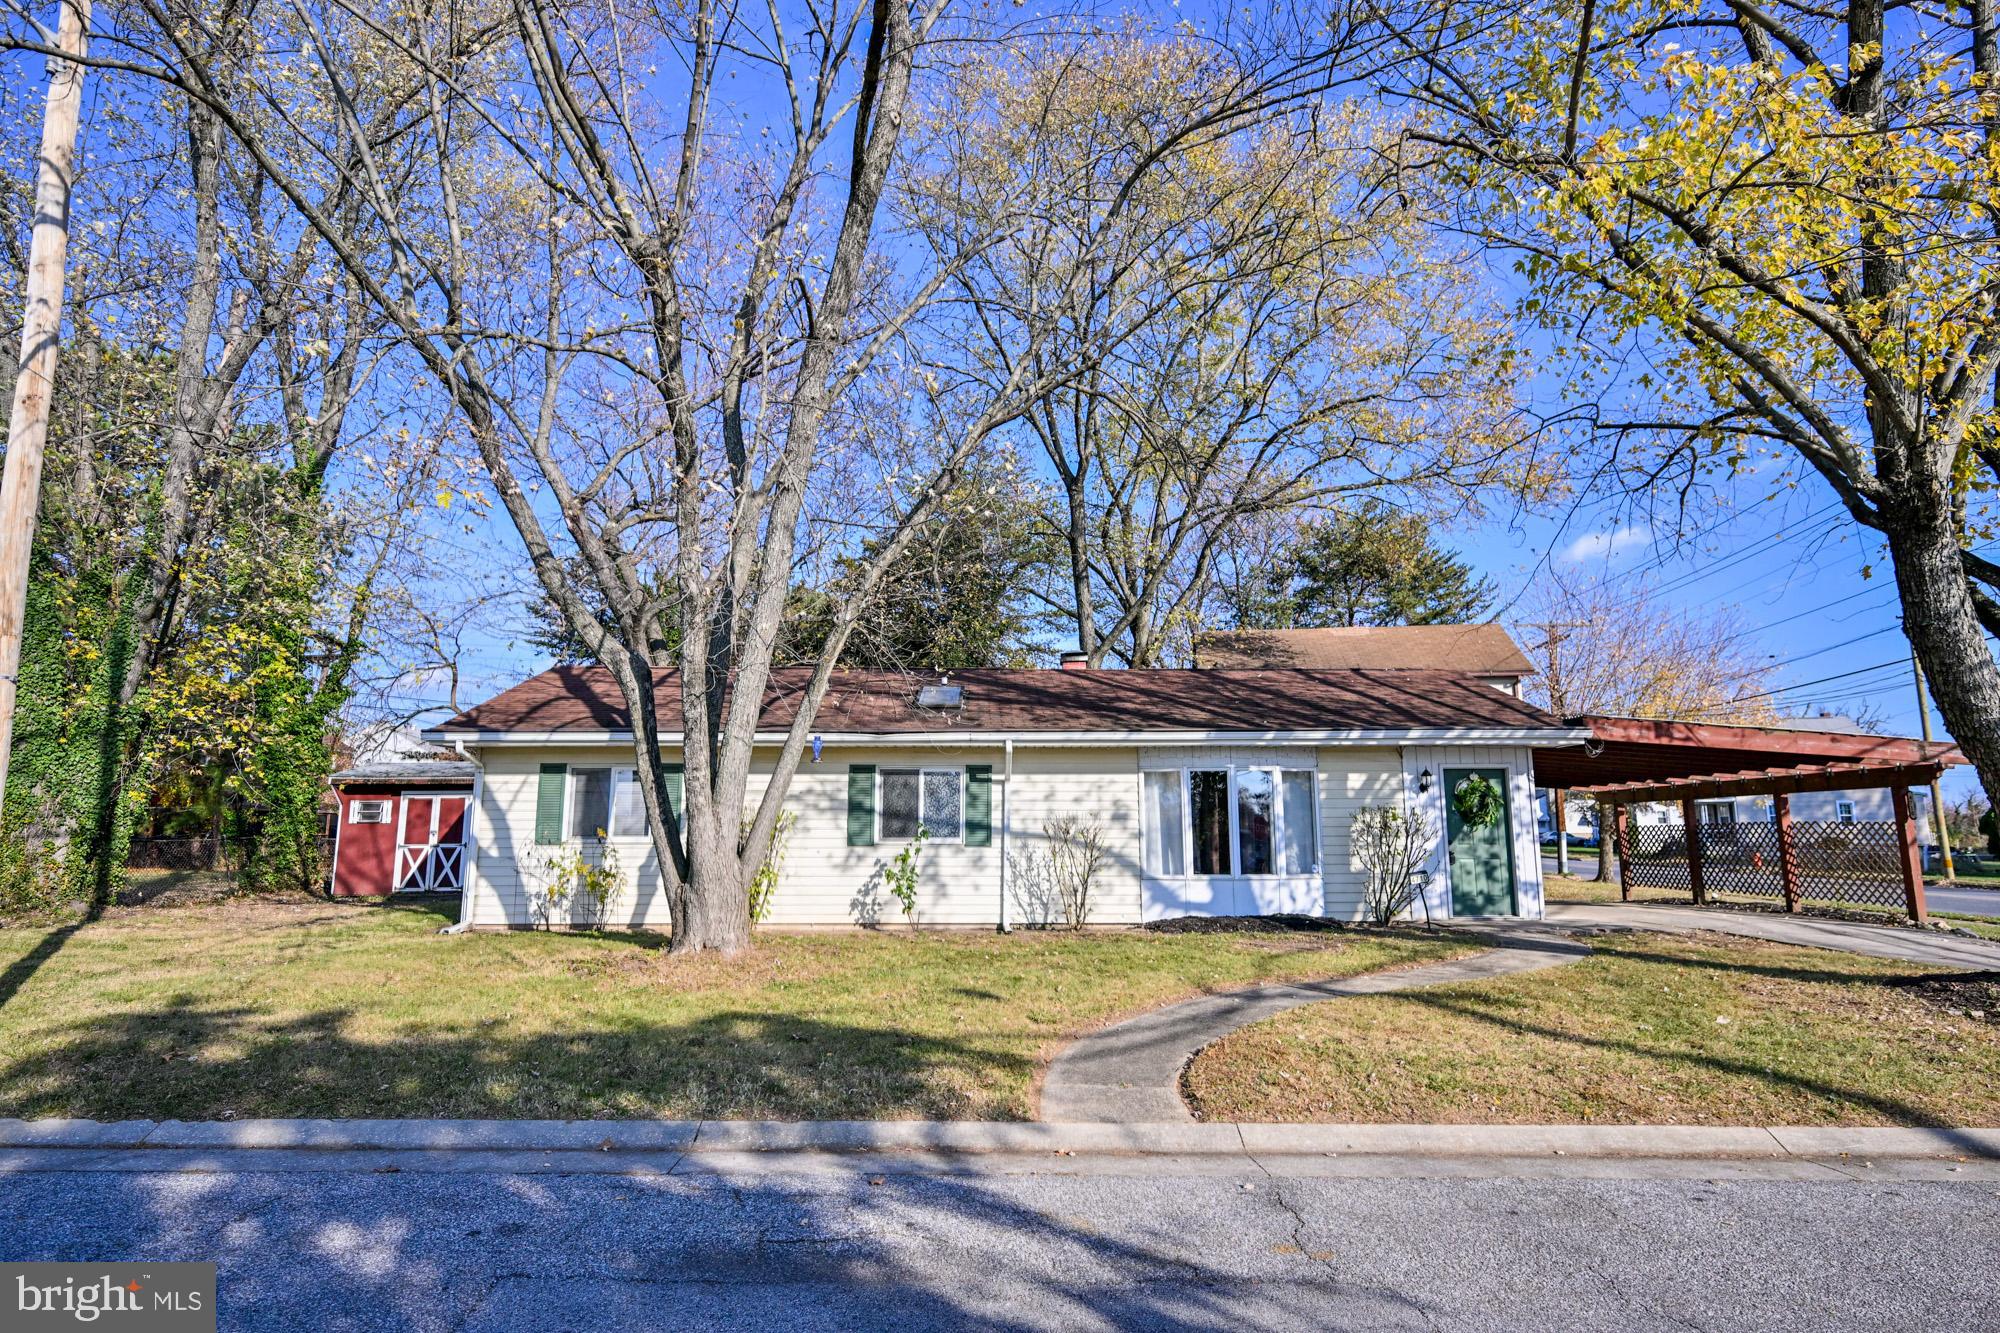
(1477, 801)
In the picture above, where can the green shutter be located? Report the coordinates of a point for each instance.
(676, 775)
(549, 803)
(979, 805)
(861, 805)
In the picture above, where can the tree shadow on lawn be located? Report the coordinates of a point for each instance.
(1444, 1001)
(184, 1061)
(1608, 947)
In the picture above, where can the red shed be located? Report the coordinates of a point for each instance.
(404, 828)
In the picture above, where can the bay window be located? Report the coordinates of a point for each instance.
(1236, 821)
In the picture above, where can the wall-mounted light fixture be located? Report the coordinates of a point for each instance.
(1424, 780)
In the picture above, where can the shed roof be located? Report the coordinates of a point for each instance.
(585, 701)
(407, 773)
(1480, 650)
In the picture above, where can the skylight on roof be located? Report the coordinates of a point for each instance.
(941, 696)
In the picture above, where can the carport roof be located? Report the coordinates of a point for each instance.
(1648, 759)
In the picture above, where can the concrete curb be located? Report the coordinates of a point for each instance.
(974, 1136)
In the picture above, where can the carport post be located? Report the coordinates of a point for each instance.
(1788, 859)
(1908, 855)
(1621, 839)
(1691, 829)
(1558, 816)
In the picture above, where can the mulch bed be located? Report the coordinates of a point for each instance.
(1244, 925)
(1972, 994)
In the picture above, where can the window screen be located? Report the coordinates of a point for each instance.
(628, 810)
(1208, 797)
(899, 803)
(589, 802)
(1254, 820)
(1299, 853)
(944, 812)
(1166, 825)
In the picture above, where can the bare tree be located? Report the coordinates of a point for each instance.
(600, 224)
(1255, 325)
(1605, 643)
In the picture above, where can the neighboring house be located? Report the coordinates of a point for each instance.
(1482, 651)
(1216, 791)
(1582, 819)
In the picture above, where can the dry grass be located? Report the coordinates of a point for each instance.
(251, 1008)
(1649, 1030)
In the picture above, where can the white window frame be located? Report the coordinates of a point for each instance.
(1843, 812)
(385, 804)
(1277, 772)
(620, 773)
(884, 770)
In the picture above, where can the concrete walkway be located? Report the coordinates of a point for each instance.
(1130, 1073)
(1941, 948)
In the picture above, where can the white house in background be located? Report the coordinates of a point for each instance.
(1217, 791)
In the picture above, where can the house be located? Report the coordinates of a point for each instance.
(1216, 791)
(1484, 652)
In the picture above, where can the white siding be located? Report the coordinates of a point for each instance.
(1350, 779)
(826, 882)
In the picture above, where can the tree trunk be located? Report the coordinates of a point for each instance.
(41, 327)
(1939, 619)
(1607, 846)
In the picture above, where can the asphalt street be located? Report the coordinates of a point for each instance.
(487, 1243)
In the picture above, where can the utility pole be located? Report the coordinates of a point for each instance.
(41, 328)
(1551, 645)
(1937, 796)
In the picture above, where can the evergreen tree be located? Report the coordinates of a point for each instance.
(1367, 566)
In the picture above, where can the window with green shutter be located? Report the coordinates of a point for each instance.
(676, 778)
(979, 805)
(549, 803)
(861, 805)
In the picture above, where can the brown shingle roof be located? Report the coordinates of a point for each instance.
(1481, 650)
(586, 700)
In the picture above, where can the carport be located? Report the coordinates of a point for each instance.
(1631, 762)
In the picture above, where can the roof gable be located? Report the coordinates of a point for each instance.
(1482, 650)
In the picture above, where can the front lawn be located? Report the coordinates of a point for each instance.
(1650, 1029)
(253, 1008)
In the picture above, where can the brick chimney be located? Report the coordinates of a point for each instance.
(1076, 661)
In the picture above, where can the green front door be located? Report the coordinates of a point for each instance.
(1481, 859)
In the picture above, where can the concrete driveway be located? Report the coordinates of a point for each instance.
(1078, 1243)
